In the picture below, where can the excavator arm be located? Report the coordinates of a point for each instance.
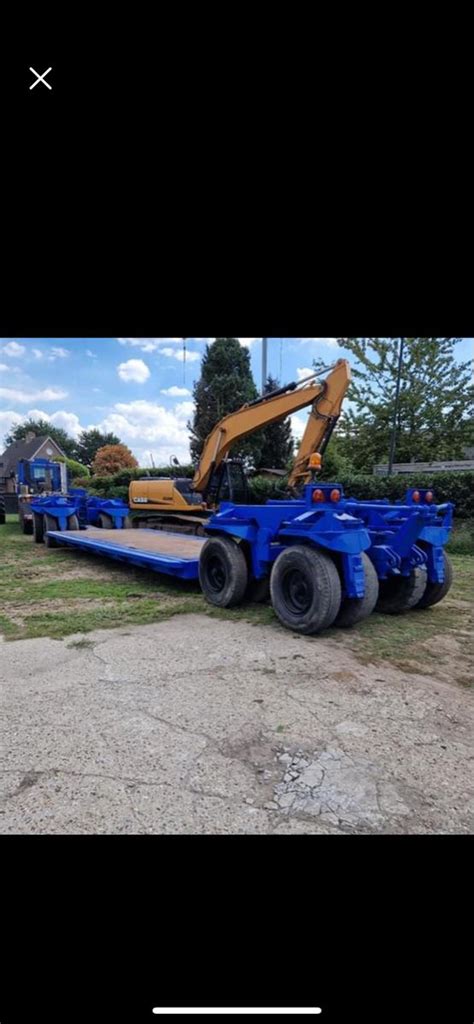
(325, 398)
(322, 419)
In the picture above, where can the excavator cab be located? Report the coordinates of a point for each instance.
(228, 483)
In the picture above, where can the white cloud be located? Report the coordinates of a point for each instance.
(248, 342)
(37, 353)
(8, 419)
(13, 349)
(133, 370)
(60, 353)
(146, 426)
(174, 392)
(149, 344)
(97, 389)
(67, 420)
(3, 368)
(297, 426)
(303, 371)
(191, 357)
(328, 342)
(46, 395)
(91, 355)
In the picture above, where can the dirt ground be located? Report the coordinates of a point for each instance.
(205, 725)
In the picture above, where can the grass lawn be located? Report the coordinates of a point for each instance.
(54, 592)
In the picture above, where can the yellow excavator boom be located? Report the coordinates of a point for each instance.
(324, 413)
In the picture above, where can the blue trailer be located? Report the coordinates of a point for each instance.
(324, 559)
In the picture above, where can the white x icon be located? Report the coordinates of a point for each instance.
(40, 78)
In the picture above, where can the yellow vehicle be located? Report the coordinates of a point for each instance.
(188, 503)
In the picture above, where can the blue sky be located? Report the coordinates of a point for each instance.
(140, 388)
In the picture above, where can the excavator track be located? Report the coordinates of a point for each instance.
(192, 526)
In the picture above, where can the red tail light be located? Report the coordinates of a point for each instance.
(335, 495)
(429, 496)
(318, 495)
(416, 496)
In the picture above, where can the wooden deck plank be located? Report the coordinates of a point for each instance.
(155, 541)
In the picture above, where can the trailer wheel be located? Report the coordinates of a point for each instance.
(354, 609)
(50, 523)
(38, 527)
(223, 572)
(26, 524)
(73, 522)
(305, 589)
(258, 591)
(400, 593)
(435, 592)
(105, 521)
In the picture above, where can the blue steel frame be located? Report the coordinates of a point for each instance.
(184, 568)
(113, 507)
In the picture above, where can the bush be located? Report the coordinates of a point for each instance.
(462, 538)
(261, 489)
(116, 486)
(82, 481)
(75, 469)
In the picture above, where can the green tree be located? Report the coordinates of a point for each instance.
(76, 469)
(42, 428)
(89, 443)
(225, 384)
(436, 403)
(276, 440)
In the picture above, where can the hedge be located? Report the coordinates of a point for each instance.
(456, 487)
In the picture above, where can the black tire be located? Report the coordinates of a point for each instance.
(258, 591)
(305, 589)
(105, 522)
(73, 523)
(50, 523)
(354, 609)
(400, 593)
(38, 527)
(435, 592)
(26, 525)
(2, 511)
(129, 523)
(223, 572)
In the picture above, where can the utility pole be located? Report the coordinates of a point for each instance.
(395, 410)
(264, 363)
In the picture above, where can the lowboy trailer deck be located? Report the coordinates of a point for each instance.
(169, 553)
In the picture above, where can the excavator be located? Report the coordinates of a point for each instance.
(187, 504)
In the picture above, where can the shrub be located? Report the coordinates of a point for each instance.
(75, 469)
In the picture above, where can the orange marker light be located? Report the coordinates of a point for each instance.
(415, 496)
(335, 495)
(429, 496)
(318, 495)
(315, 460)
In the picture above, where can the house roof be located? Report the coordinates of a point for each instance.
(22, 450)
